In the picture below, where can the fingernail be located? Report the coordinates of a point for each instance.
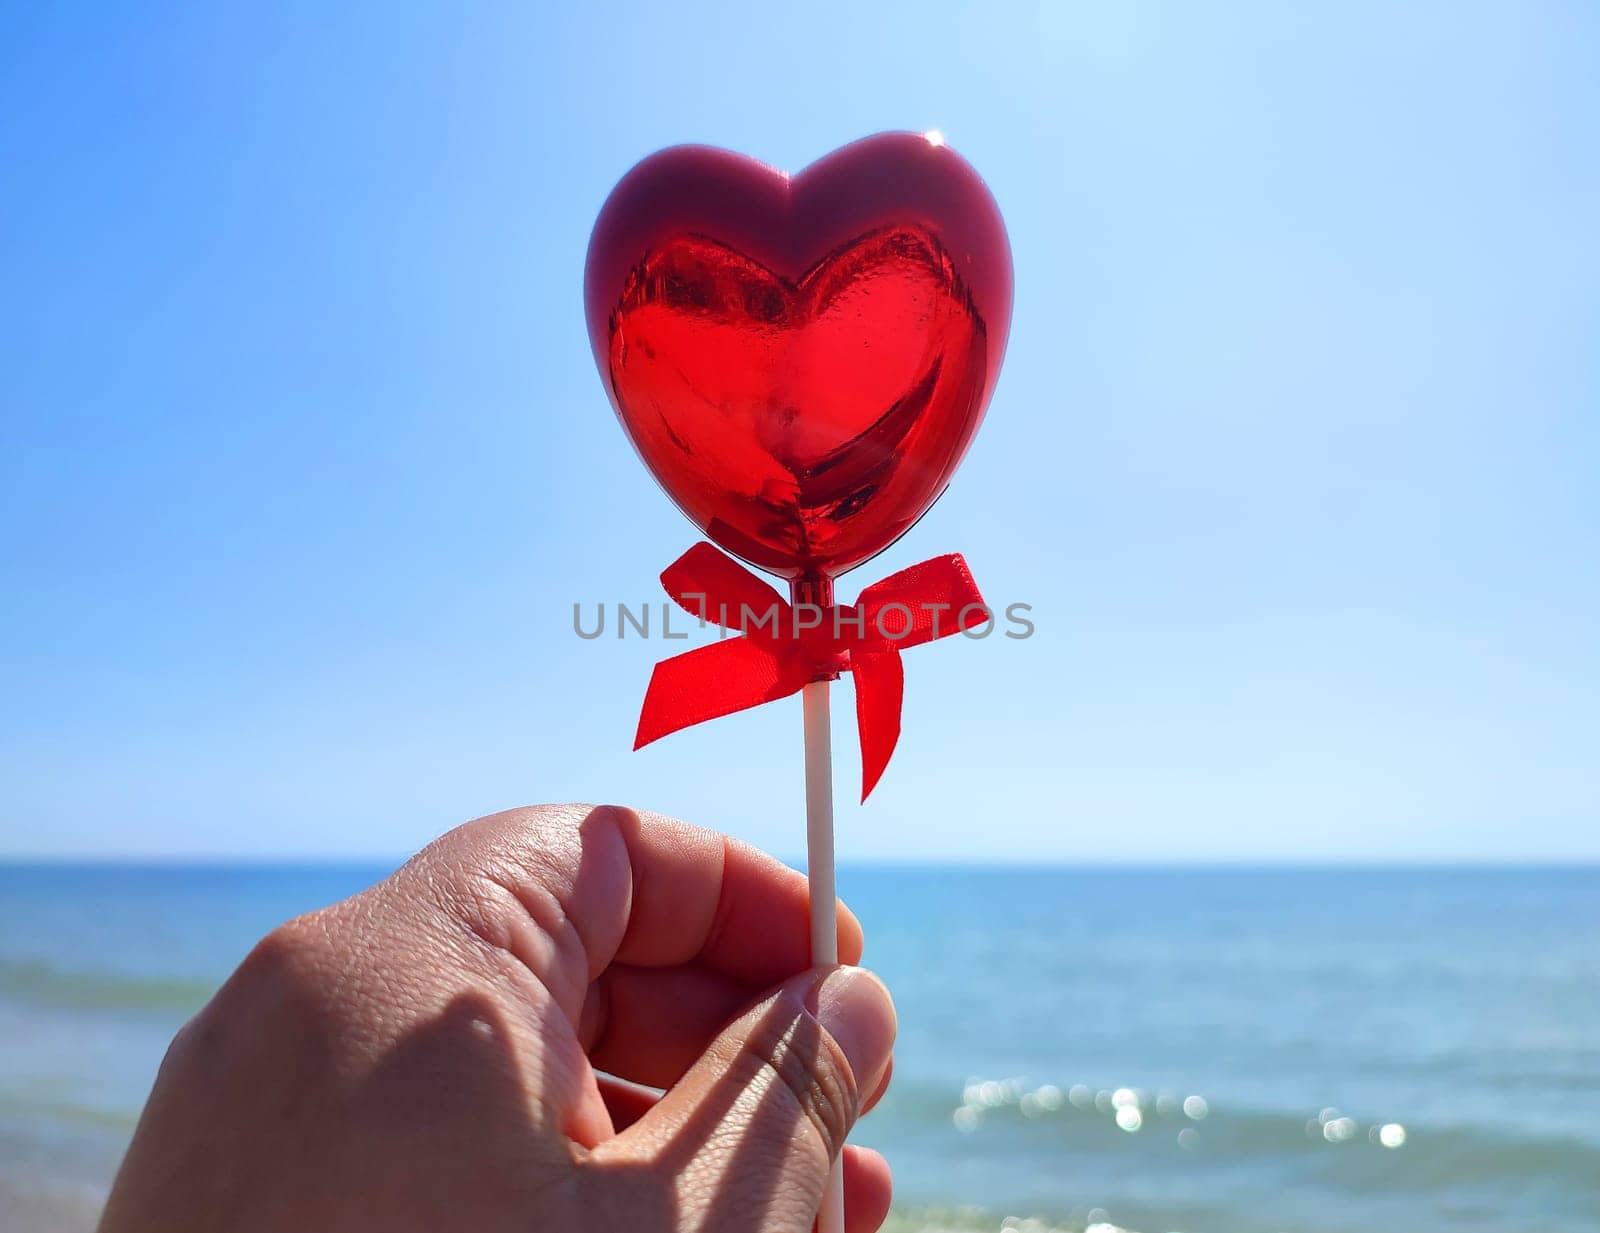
(855, 1009)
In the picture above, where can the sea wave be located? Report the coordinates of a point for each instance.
(23, 1110)
(87, 990)
(1367, 1155)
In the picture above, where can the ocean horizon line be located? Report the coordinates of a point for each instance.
(179, 861)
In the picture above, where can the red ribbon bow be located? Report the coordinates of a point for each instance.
(785, 646)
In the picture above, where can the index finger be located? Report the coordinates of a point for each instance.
(642, 889)
(703, 897)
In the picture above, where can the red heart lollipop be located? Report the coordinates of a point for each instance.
(801, 361)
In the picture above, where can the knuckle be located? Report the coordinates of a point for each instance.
(274, 996)
(285, 976)
(274, 960)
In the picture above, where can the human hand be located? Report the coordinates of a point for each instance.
(446, 1050)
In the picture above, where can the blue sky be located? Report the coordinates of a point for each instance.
(303, 459)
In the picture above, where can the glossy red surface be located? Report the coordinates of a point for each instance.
(801, 361)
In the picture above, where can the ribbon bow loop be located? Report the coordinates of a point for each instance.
(714, 587)
(783, 647)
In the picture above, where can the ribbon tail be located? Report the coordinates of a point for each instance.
(880, 688)
(712, 681)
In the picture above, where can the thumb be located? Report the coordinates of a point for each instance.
(744, 1141)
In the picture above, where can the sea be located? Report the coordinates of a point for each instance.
(1196, 1050)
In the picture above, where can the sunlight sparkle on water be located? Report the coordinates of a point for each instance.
(1339, 1129)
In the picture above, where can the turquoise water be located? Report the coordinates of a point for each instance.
(1054, 1024)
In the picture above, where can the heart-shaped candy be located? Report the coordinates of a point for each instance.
(801, 361)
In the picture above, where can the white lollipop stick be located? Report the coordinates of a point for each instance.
(824, 894)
